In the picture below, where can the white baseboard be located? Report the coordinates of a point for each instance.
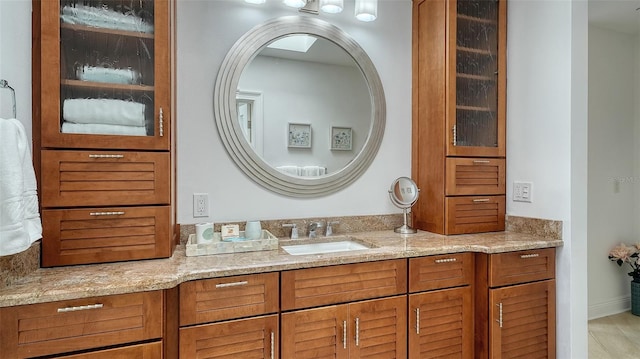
(610, 307)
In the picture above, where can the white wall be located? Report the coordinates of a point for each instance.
(612, 182)
(546, 141)
(206, 31)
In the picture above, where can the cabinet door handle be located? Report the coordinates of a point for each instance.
(499, 320)
(161, 122)
(417, 320)
(273, 344)
(357, 331)
(532, 255)
(232, 284)
(480, 162)
(481, 200)
(344, 334)
(118, 213)
(82, 307)
(454, 133)
(105, 156)
(445, 260)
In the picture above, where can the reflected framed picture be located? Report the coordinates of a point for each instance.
(299, 135)
(341, 138)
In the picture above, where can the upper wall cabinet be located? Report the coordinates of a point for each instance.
(104, 74)
(459, 86)
(102, 129)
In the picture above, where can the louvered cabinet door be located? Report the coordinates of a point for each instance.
(316, 333)
(253, 338)
(522, 321)
(441, 324)
(378, 328)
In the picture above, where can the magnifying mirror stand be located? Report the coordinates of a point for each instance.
(405, 228)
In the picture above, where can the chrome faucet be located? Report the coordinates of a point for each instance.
(313, 227)
(329, 231)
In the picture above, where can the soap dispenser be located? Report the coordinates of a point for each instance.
(294, 229)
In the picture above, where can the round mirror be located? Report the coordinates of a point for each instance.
(299, 107)
(404, 194)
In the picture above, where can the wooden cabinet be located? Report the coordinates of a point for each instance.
(102, 121)
(515, 305)
(362, 327)
(441, 306)
(368, 329)
(61, 327)
(140, 351)
(459, 86)
(206, 307)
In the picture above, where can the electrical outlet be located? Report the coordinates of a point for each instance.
(201, 205)
(522, 191)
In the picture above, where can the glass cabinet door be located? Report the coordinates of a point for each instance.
(113, 93)
(476, 119)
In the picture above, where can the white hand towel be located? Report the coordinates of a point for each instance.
(20, 224)
(103, 17)
(290, 170)
(100, 129)
(103, 111)
(313, 171)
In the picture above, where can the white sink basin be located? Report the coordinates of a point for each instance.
(324, 247)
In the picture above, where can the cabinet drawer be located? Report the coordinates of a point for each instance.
(475, 214)
(61, 327)
(442, 271)
(312, 287)
(521, 267)
(475, 176)
(244, 338)
(140, 351)
(98, 235)
(211, 300)
(99, 178)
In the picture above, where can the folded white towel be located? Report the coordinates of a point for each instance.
(100, 129)
(290, 170)
(313, 171)
(20, 224)
(103, 111)
(107, 75)
(104, 18)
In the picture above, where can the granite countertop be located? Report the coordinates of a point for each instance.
(62, 283)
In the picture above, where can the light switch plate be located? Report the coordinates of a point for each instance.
(522, 191)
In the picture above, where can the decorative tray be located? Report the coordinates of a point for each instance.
(267, 242)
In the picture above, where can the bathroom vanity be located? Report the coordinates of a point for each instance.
(404, 296)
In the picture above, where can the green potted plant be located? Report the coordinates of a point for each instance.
(622, 254)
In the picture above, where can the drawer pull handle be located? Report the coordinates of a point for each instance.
(499, 320)
(106, 156)
(344, 334)
(161, 122)
(357, 331)
(273, 345)
(532, 255)
(82, 307)
(481, 200)
(445, 260)
(119, 213)
(417, 320)
(233, 284)
(479, 162)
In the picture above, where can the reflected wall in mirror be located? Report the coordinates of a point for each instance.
(298, 69)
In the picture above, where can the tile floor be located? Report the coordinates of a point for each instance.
(615, 337)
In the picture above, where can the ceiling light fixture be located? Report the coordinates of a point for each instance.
(257, 2)
(331, 6)
(295, 3)
(366, 10)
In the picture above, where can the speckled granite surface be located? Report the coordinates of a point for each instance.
(16, 266)
(52, 284)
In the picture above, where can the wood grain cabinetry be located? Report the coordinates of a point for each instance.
(68, 326)
(139, 351)
(441, 306)
(102, 126)
(209, 317)
(459, 86)
(515, 305)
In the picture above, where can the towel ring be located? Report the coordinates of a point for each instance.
(5, 84)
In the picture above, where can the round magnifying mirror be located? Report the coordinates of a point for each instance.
(404, 194)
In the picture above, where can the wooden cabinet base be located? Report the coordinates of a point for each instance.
(141, 351)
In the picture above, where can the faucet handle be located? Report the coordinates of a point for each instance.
(329, 230)
(294, 229)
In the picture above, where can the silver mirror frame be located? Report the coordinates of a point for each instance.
(240, 55)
